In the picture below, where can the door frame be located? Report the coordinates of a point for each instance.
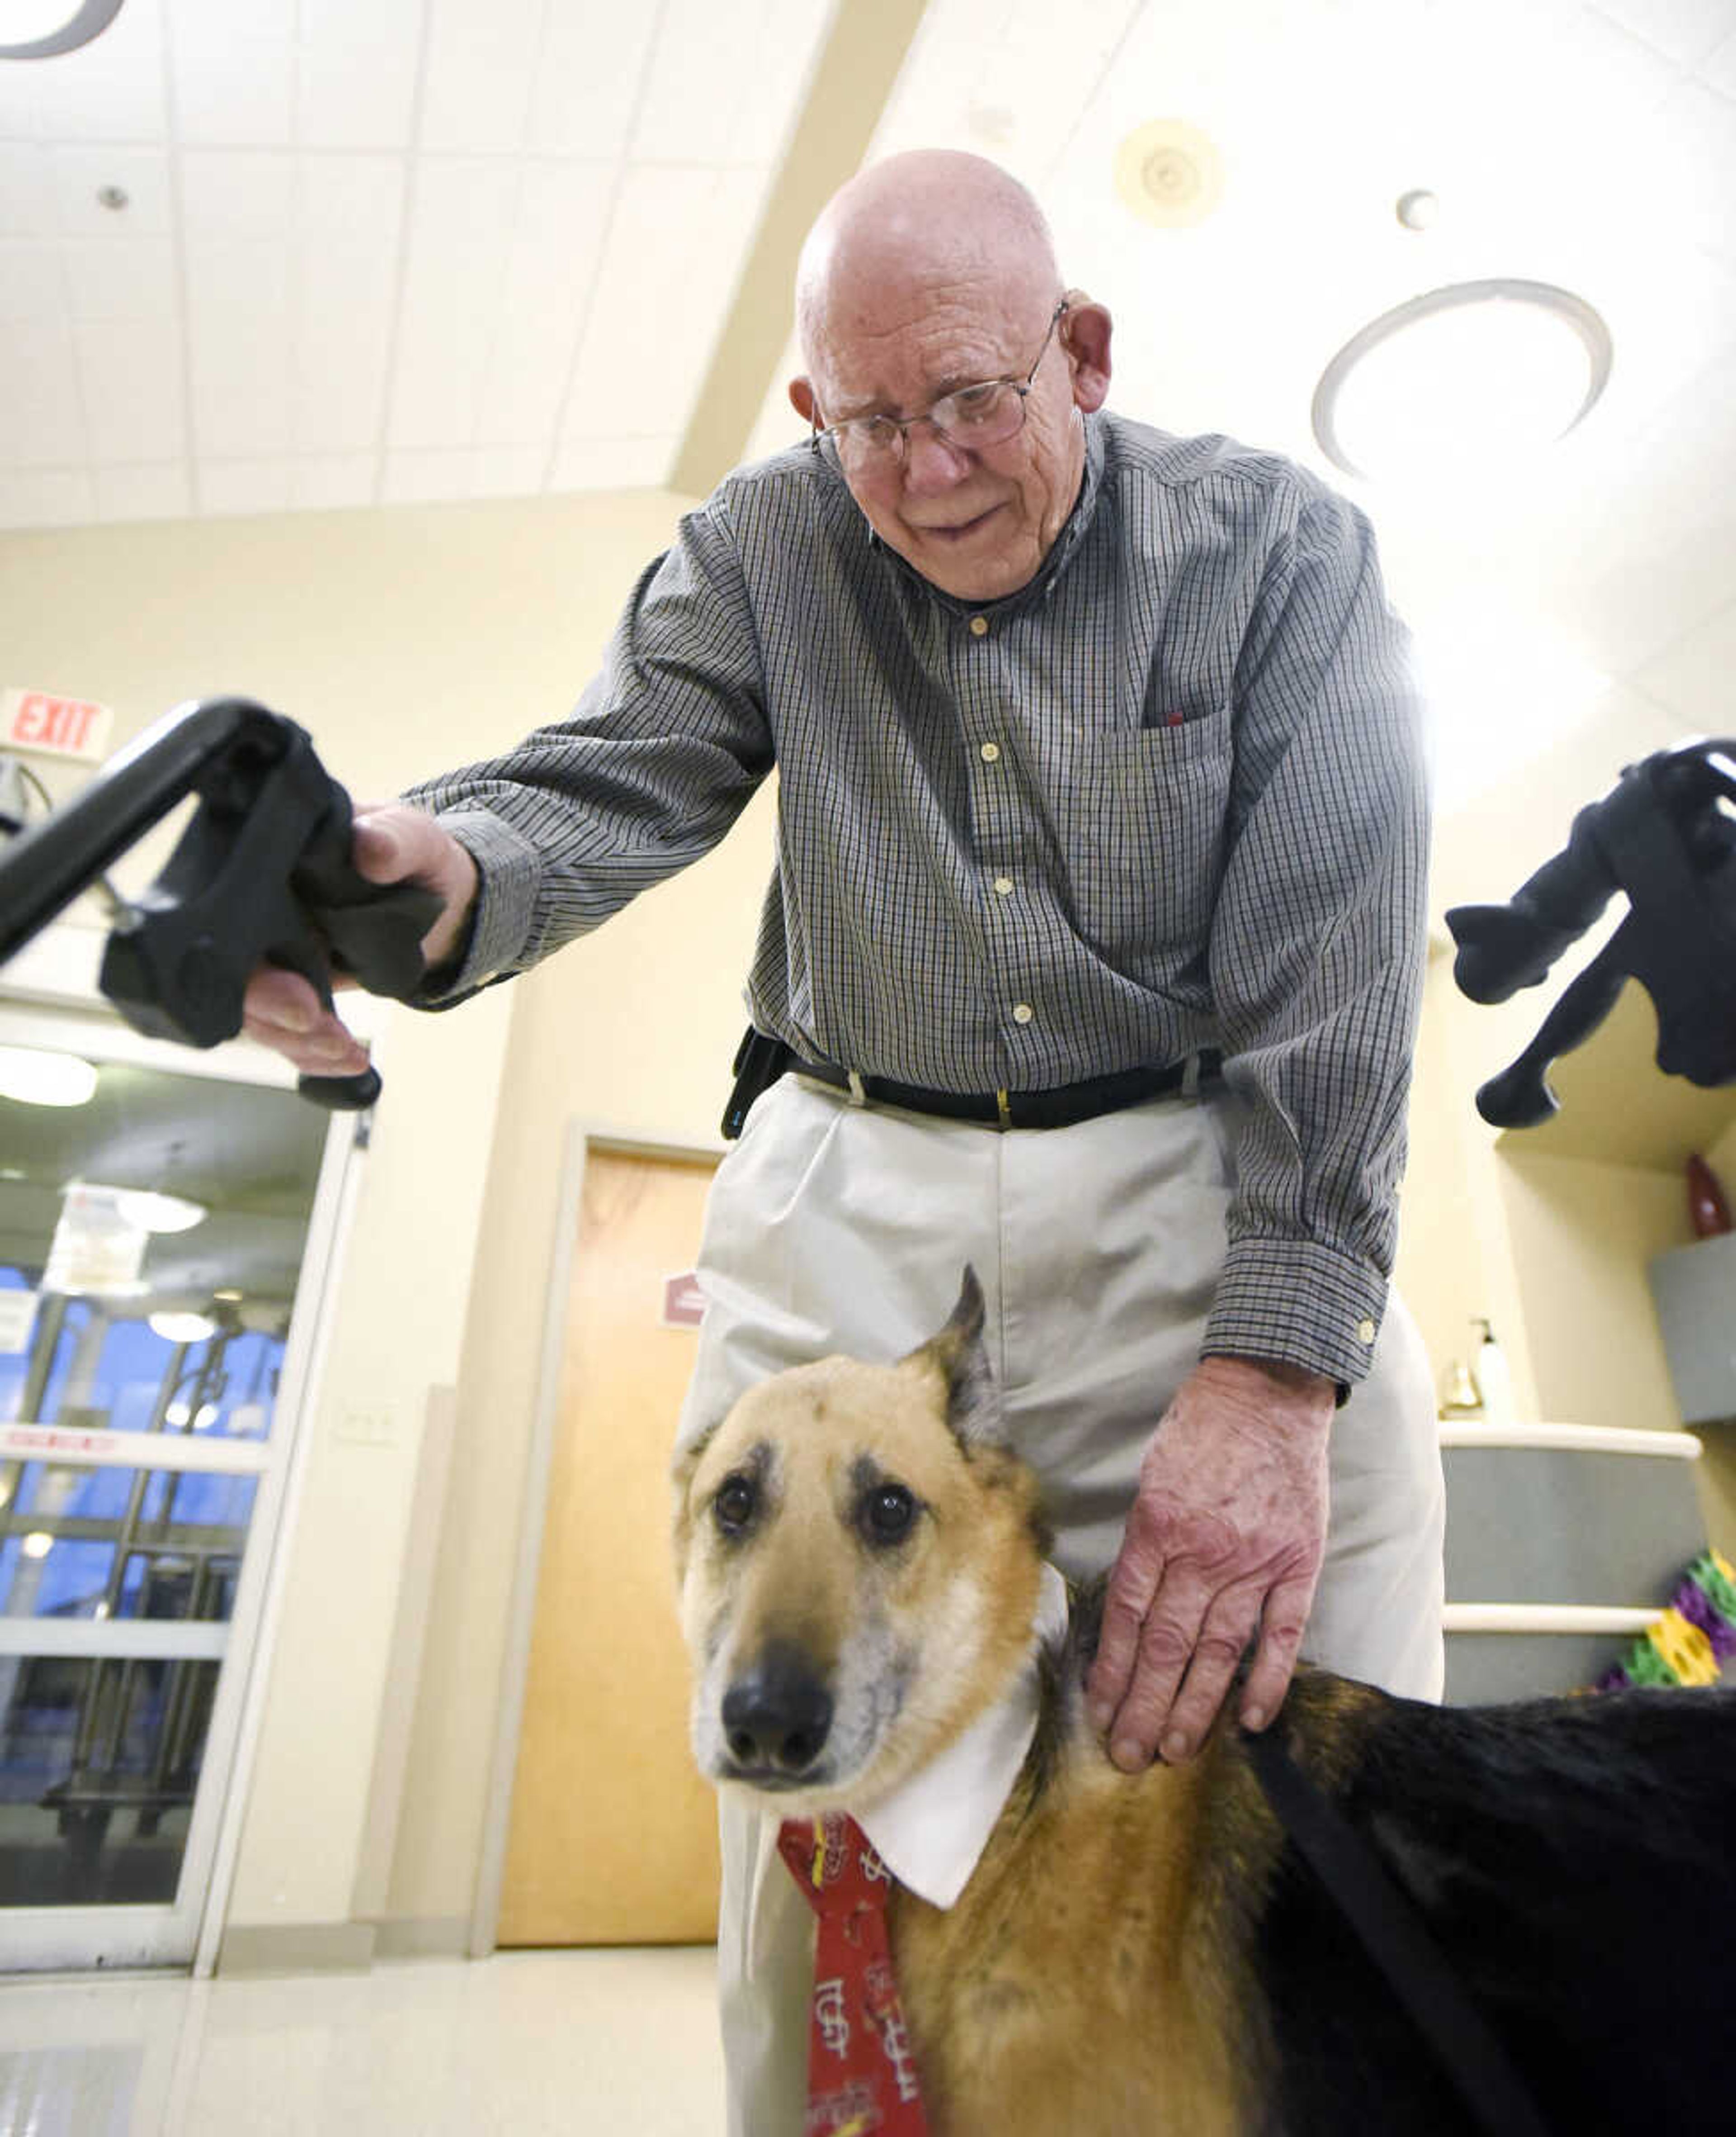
(65, 1012)
(582, 1137)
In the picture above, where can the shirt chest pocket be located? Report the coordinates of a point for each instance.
(1142, 828)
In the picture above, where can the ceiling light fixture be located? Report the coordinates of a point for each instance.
(34, 1076)
(1169, 174)
(158, 1213)
(183, 1327)
(42, 29)
(1473, 372)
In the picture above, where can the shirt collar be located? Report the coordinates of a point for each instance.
(932, 1830)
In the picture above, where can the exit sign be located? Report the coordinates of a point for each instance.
(54, 726)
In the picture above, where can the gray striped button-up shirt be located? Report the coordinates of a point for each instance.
(1167, 796)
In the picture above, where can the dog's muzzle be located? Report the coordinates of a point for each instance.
(776, 1718)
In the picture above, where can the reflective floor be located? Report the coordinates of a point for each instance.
(526, 2044)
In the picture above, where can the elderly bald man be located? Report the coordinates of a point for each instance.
(1093, 951)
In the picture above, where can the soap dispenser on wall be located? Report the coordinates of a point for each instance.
(1494, 1377)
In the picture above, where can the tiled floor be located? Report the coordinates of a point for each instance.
(526, 2044)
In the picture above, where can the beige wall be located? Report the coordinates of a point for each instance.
(405, 642)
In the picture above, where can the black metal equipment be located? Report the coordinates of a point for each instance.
(1666, 834)
(261, 873)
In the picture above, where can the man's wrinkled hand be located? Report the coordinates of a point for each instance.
(1225, 1544)
(394, 843)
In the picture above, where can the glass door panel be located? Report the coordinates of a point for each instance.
(152, 1250)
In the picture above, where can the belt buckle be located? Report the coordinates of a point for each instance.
(1003, 1111)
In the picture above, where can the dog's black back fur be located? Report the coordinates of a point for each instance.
(1575, 1860)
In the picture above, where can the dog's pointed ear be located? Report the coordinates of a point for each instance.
(962, 1359)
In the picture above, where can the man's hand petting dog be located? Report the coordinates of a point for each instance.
(1224, 1541)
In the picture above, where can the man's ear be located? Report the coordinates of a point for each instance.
(1084, 335)
(801, 398)
(959, 1356)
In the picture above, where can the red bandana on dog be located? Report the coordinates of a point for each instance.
(862, 2075)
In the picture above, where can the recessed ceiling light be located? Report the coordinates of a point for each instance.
(1463, 376)
(157, 1213)
(183, 1327)
(1169, 173)
(34, 1076)
(1419, 209)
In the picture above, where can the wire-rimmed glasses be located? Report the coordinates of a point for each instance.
(971, 417)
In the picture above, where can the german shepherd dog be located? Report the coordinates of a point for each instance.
(1151, 1953)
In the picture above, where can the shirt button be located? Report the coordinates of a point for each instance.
(1022, 1012)
(1366, 1331)
(991, 752)
(979, 626)
(1004, 886)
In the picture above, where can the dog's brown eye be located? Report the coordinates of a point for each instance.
(888, 1513)
(734, 1507)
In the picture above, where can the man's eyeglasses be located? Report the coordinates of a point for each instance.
(972, 418)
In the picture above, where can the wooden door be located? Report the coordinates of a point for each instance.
(613, 1835)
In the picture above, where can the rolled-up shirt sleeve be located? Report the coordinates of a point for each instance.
(658, 759)
(1317, 948)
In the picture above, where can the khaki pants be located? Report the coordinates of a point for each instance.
(838, 1228)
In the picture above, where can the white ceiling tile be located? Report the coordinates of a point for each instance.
(31, 281)
(134, 389)
(482, 62)
(674, 253)
(18, 101)
(41, 421)
(235, 89)
(584, 98)
(240, 329)
(723, 80)
(427, 475)
(229, 489)
(613, 463)
(464, 213)
(508, 470)
(1685, 30)
(209, 24)
(563, 213)
(352, 204)
(237, 193)
(326, 482)
(382, 27)
(338, 394)
(348, 97)
(26, 192)
(345, 297)
(81, 174)
(121, 278)
(163, 491)
(110, 91)
(45, 497)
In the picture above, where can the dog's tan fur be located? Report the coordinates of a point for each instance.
(1149, 1954)
(1086, 1981)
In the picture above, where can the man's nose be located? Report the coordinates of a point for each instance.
(931, 461)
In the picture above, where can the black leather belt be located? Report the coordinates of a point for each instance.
(1062, 1108)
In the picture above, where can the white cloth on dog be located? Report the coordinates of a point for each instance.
(932, 1830)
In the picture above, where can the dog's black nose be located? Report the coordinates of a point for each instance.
(777, 1714)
